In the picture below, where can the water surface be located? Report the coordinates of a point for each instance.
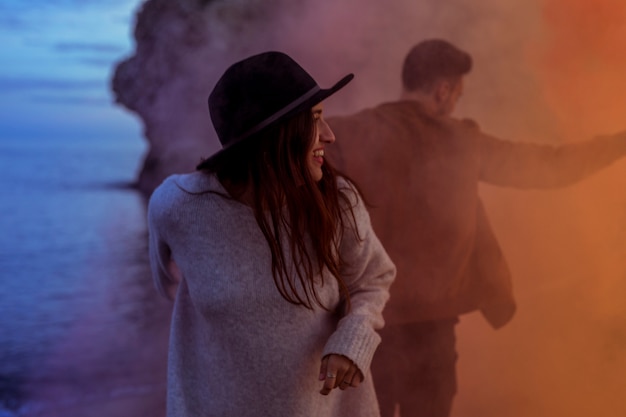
(82, 330)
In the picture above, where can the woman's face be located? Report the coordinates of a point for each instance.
(322, 136)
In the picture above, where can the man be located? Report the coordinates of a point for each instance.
(420, 168)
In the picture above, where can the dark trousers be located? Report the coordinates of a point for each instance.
(415, 366)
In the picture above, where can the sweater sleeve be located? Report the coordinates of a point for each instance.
(368, 273)
(159, 250)
(528, 165)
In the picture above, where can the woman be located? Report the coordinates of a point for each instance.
(282, 280)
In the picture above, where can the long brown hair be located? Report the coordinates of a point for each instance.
(292, 209)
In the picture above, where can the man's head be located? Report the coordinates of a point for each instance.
(434, 70)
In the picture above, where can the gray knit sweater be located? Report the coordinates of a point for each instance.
(237, 348)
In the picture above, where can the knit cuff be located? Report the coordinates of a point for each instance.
(356, 340)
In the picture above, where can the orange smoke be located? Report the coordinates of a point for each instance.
(582, 63)
(563, 354)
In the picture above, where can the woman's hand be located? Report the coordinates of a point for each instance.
(337, 371)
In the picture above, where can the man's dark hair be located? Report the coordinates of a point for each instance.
(431, 60)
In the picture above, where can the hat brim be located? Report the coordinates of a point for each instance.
(316, 98)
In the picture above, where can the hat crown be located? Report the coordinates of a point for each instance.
(254, 90)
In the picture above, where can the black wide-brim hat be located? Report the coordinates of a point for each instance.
(259, 92)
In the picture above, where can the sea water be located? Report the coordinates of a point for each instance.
(82, 329)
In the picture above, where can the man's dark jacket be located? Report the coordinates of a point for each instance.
(421, 174)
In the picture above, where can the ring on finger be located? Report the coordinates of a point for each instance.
(331, 376)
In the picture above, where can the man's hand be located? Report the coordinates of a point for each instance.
(337, 371)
